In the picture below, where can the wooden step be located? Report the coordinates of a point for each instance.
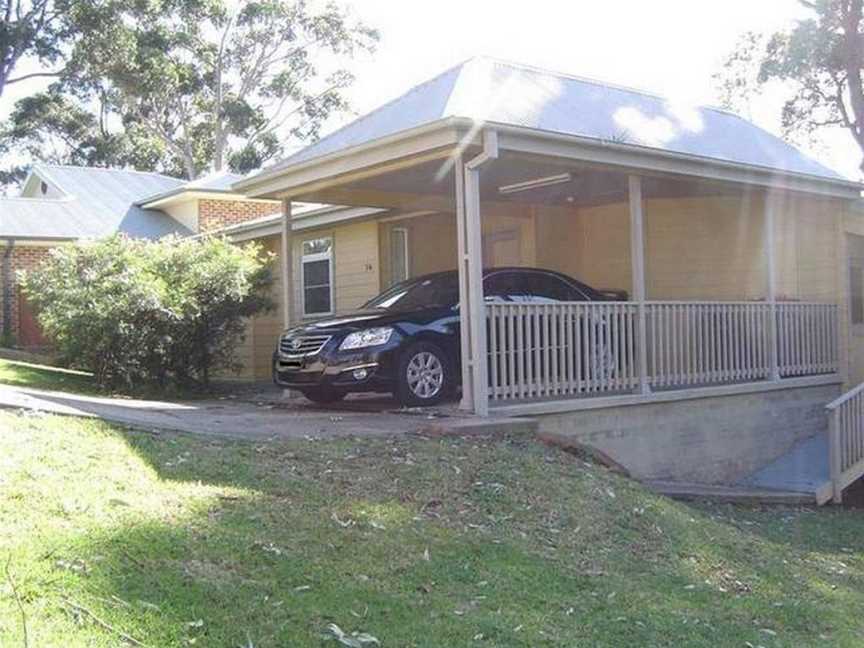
(737, 494)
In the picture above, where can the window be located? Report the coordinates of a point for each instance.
(548, 287)
(506, 286)
(440, 289)
(855, 247)
(856, 294)
(531, 287)
(316, 267)
(398, 255)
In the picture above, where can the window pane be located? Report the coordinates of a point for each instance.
(856, 295)
(545, 286)
(317, 246)
(509, 286)
(316, 300)
(316, 273)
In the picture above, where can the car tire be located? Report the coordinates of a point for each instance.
(324, 396)
(425, 375)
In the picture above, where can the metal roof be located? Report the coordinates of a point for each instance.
(490, 91)
(97, 202)
(213, 183)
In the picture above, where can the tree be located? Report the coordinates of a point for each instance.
(51, 127)
(212, 88)
(820, 60)
(149, 313)
(29, 29)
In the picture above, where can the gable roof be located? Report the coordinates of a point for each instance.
(497, 92)
(97, 202)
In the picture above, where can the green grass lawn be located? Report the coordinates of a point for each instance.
(171, 540)
(26, 374)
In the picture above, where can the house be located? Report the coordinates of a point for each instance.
(743, 260)
(60, 204)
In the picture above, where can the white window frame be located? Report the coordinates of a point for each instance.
(311, 258)
(404, 232)
(854, 263)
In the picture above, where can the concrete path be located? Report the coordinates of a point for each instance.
(293, 419)
(803, 469)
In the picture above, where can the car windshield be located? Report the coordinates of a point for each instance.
(424, 292)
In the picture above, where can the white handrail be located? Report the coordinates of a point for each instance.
(845, 397)
(846, 439)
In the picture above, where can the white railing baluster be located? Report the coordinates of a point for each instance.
(846, 439)
(581, 348)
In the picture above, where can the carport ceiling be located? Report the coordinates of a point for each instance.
(432, 183)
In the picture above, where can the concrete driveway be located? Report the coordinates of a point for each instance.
(259, 419)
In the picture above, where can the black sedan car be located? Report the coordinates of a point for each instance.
(405, 341)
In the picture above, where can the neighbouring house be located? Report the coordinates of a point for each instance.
(743, 260)
(61, 204)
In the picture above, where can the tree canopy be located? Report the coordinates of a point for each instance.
(32, 29)
(186, 86)
(819, 60)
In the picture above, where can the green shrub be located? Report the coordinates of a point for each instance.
(150, 312)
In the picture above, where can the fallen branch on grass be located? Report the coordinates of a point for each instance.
(104, 624)
(18, 601)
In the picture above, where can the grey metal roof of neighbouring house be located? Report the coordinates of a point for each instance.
(97, 202)
(213, 183)
(496, 92)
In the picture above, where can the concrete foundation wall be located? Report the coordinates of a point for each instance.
(708, 440)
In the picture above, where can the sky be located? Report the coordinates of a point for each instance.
(668, 47)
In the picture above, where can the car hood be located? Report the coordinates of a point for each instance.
(363, 319)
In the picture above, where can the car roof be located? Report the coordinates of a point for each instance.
(488, 272)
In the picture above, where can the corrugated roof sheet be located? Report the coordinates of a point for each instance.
(215, 182)
(99, 202)
(489, 90)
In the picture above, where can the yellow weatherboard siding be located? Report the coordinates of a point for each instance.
(705, 248)
(355, 265)
(262, 331)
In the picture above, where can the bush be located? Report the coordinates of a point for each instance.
(150, 313)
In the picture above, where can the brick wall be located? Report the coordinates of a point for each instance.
(216, 214)
(21, 258)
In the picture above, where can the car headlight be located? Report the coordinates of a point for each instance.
(369, 337)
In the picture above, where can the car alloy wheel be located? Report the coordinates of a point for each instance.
(425, 375)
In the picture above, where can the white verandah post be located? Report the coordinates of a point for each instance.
(771, 296)
(472, 304)
(467, 402)
(637, 258)
(287, 268)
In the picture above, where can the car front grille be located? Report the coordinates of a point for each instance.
(303, 345)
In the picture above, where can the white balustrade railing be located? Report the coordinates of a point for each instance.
(540, 350)
(846, 439)
(561, 349)
(693, 344)
(807, 341)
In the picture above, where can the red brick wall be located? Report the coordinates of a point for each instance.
(22, 258)
(216, 214)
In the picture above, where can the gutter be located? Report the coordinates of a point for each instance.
(275, 171)
(672, 155)
(470, 125)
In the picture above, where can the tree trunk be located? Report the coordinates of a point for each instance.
(852, 13)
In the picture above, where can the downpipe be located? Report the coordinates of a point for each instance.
(7, 289)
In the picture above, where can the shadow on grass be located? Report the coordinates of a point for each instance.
(426, 542)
